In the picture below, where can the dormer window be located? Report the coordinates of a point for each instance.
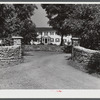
(46, 33)
(51, 33)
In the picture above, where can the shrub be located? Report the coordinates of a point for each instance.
(67, 49)
(51, 44)
(41, 44)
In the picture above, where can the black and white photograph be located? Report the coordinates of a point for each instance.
(49, 46)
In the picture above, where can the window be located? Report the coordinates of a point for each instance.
(57, 40)
(52, 40)
(45, 33)
(65, 40)
(51, 33)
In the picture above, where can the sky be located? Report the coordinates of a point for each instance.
(39, 17)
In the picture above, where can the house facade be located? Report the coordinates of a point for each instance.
(48, 36)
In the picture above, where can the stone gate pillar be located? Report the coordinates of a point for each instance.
(75, 42)
(17, 40)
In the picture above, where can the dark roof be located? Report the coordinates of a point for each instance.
(44, 29)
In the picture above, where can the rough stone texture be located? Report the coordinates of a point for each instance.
(52, 48)
(84, 56)
(10, 55)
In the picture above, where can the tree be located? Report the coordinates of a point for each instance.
(57, 13)
(84, 23)
(90, 35)
(28, 31)
(77, 19)
(24, 26)
(16, 19)
(5, 13)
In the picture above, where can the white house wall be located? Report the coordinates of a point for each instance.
(55, 36)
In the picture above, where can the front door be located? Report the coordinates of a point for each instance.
(46, 41)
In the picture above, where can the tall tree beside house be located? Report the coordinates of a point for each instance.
(26, 28)
(79, 20)
(84, 22)
(17, 21)
(57, 13)
(28, 31)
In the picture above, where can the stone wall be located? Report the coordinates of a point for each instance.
(85, 57)
(52, 48)
(10, 55)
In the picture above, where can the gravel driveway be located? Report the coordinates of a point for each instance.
(46, 70)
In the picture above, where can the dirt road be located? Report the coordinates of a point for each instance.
(43, 70)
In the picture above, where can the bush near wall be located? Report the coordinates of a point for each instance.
(10, 55)
(67, 48)
(89, 59)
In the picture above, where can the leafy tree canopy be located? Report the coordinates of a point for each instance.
(79, 20)
(57, 13)
(16, 19)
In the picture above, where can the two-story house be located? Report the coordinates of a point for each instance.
(48, 36)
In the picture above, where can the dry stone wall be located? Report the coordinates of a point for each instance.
(10, 54)
(85, 57)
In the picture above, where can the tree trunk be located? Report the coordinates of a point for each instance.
(41, 37)
(62, 41)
